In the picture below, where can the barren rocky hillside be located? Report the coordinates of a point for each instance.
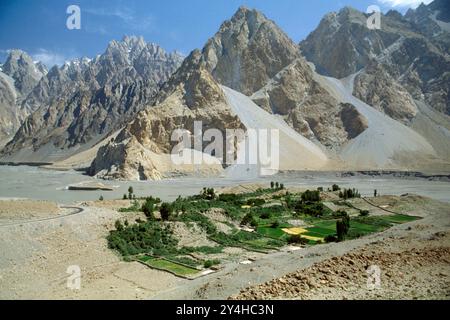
(81, 102)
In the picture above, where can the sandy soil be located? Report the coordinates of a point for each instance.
(27, 209)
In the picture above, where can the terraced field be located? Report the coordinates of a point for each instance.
(260, 221)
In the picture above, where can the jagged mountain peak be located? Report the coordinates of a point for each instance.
(132, 48)
(15, 54)
(20, 59)
(439, 8)
(349, 11)
(247, 51)
(443, 9)
(88, 98)
(25, 72)
(394, 14)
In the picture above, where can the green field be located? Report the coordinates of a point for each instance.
(399, 218)
(276, 233)
(267, 211)
(163, 264)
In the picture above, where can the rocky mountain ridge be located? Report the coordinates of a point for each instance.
(388, 111)
(18, 76)
(84, 100)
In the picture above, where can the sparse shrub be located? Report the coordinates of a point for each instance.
(296, 239)
(118, 225)
(364, 213)
(125, 197)
(101, 198)
(272, 185)
(135, 207)
(209, 263)
(320, 189)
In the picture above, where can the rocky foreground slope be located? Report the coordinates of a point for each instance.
(408, 271)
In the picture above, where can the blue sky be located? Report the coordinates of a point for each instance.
(39, 26)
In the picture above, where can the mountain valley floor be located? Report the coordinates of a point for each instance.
(38, 248)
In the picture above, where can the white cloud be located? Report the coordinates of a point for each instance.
(49, 58)
(404, 3)
(126, 15)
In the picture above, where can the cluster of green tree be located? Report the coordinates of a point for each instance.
(315, 209)
(297, 239)
(310, 196)
(208, 194)
(342, 227)
(149, 207)
(276, 185)
(130, 195)
(255, 202)
(309, 204)
(209, 263)
(249, 220)
(166, 211)
(231, 198)
(148, 237)
(349, 194)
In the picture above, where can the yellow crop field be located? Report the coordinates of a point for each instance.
(294, 231)
(312, 238)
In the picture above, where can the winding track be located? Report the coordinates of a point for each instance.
(77, 210)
